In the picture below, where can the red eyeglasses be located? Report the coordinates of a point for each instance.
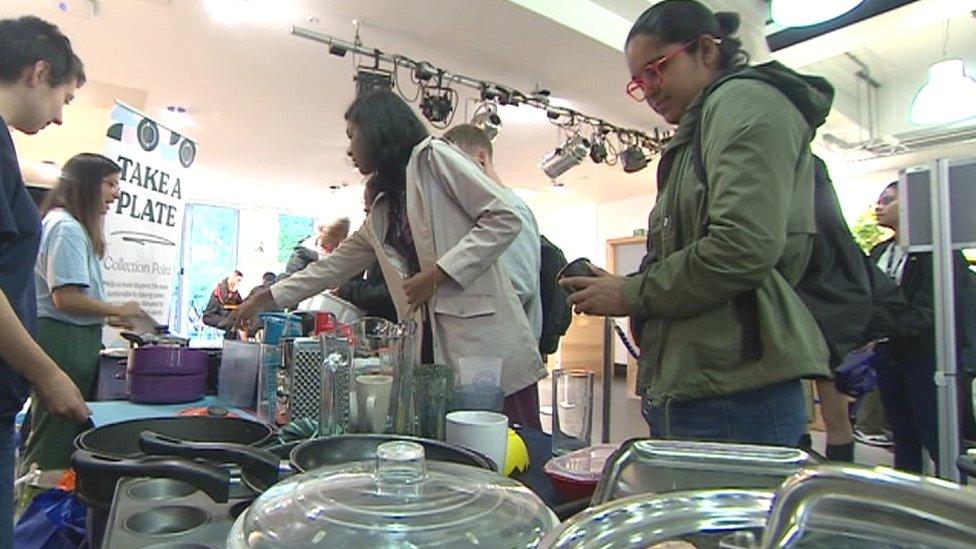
(651, 74)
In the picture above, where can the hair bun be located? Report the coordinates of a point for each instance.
(728, 22)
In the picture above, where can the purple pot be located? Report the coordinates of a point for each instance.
(166, 360)
(167, 389)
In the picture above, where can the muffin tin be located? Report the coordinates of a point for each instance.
(159, 513)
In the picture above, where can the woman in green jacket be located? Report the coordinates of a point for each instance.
(724, 338)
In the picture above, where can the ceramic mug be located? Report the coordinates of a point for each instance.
(486, 432)
(373, 401)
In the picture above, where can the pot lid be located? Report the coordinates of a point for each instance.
(400, 500)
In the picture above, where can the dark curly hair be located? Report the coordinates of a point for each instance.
(390, 130)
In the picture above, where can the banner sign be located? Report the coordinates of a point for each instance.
(144, 227)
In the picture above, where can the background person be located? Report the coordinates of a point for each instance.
(905, 364)
(224, 298)
(327, 237)
(71, 302)
(39, 73)
(724, 338)
(522, 260)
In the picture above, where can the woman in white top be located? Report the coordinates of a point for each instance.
(437, 228)
(71, 303)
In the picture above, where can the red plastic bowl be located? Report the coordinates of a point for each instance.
(571, 489)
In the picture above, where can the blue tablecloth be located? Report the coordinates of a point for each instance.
(114, 411)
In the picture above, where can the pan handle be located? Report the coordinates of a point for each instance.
(94, 468)
(256, 462)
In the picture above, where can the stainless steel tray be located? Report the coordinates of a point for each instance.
(643, 466)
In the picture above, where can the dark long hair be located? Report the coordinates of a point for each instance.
(680, 21)
(391, 130)
(79, 192)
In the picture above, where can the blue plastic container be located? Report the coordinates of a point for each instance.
(278, 325)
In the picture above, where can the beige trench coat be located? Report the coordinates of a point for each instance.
(476, 311)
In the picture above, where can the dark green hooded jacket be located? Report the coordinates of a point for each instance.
(750, 235)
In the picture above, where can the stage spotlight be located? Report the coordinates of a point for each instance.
(633, 159)
(486, 117)
(563, 158)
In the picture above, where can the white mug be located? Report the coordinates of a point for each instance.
(373, 401)
(486, 432)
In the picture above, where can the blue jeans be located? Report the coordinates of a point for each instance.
(769, 415)
(7, 446)
(907, 390)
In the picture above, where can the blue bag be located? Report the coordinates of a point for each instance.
(55, 519)
(855, 376)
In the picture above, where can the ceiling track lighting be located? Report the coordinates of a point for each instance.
(438, 103)
(633, 158)
(559, 161)
(486, 118)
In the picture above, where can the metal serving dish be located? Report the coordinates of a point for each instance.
(825, 506)
(642, 466)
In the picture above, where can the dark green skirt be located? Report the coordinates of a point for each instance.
(75, 349)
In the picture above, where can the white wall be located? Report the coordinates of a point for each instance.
(261, 202)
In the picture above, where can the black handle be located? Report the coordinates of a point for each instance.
(95, 472)
(570, 508)
(256, 462)
(133, 337)
(967, 465)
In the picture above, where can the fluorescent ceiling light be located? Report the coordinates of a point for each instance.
(947, 96)
(803, 13)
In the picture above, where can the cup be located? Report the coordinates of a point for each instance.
(373, 401)
(478, 397)
(572, 410)
(479, 370)
(433, 392)
(485, 432)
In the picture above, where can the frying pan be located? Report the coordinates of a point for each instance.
(262, 468)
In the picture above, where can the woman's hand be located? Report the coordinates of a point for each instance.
(244, 314)
(598, 295)
(421, 286)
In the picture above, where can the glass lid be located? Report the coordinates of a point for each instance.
(400, 500)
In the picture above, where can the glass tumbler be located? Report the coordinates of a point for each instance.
(572, 410)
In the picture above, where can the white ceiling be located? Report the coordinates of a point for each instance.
(268, 106)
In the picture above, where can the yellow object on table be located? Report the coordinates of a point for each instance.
(517, 457)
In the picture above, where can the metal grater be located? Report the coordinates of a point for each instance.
(305, 387)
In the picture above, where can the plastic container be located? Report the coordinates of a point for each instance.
(278, 325)
(238, 378)
(576, 474)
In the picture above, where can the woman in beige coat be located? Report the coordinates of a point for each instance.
(437, 228)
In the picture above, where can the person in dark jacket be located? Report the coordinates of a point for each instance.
(905, 364)
(224, 298)
(369, 293)
(310, 250)
(725, 339)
